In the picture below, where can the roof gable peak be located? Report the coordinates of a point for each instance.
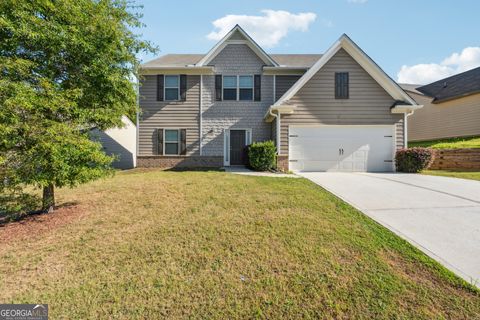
(345, 43)
(231, 38)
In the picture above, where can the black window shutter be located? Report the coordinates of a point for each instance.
(257, 80)
(160, 87)
(183, 141)
(341, 85)
(160, 141)
(218, 87)
(183, 87)
(345, 85)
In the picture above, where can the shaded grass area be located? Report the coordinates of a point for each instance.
(451, 143)
(472, 175)
(153, 244)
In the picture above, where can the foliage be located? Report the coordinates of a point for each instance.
(450, 143)
(14, 204)
(65, 66)
(262, 156)
(413, 159)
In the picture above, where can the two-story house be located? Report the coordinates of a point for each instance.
(336, 111)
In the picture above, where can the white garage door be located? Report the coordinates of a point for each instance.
(341, 148)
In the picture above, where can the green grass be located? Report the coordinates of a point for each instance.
(472, 175)
(452, 143)
(156, 244)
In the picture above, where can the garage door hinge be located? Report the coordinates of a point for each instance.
(388, 136)
(387, 161)
(293, 136)
(292, 160)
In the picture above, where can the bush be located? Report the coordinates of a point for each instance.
(413, 159)
(262, 156)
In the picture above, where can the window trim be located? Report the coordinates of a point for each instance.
(165, 87)
(238, 86)
(178, 142)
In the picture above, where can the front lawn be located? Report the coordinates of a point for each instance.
(472, 175)
(154, 244)
(452, 143)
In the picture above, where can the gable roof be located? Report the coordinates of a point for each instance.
(173, 60)
(344, 42)
(460, 85)
(304, 61)
(296, 60)
(236, 35)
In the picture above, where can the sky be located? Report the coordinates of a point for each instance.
(413, 41)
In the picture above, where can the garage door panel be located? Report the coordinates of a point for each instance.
(365, 148)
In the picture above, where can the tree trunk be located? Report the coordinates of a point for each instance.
(48, 198)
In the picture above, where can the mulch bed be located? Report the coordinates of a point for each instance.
(38, 224)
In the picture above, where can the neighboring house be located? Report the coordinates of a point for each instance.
(336, 111)
(451, 107)
(121, 142)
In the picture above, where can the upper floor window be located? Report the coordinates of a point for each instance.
(230, 88)
(238, 88)
(246, 87)
(341, 85)
(172, 87)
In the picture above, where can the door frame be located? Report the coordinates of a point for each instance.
(392, 126)
(226, 142)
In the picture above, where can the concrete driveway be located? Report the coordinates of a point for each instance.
(439, 215)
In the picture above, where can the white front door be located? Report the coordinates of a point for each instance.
(341, 148)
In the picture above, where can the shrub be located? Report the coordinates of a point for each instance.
(262, 156)
(413, 159)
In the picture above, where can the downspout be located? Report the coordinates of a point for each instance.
(277, 138)
(405, 134)
(200, 110)
(137, 129)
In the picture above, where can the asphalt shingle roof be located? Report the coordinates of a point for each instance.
(182, 60)
(459, 85)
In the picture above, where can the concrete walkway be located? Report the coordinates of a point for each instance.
(439, 215)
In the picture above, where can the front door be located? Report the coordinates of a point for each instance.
(237, 147)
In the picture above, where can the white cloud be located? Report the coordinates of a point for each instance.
(267, 29)
(468, 59)
(358, 1)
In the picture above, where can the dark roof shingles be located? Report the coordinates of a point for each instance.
(459, 85)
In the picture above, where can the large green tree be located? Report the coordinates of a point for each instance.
(65, 66)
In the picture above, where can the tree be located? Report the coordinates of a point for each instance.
(65, 66)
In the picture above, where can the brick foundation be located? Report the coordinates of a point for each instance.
(179, 162)
(282, 163)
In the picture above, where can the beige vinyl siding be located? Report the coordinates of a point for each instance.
(454, 118)
(168, 114)
(283, 83)
(369, 103)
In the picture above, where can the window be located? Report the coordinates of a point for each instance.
(341, 85)
(238, 88)
(246, 87)
(172, 85)
(230, 88)
(172, 139)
